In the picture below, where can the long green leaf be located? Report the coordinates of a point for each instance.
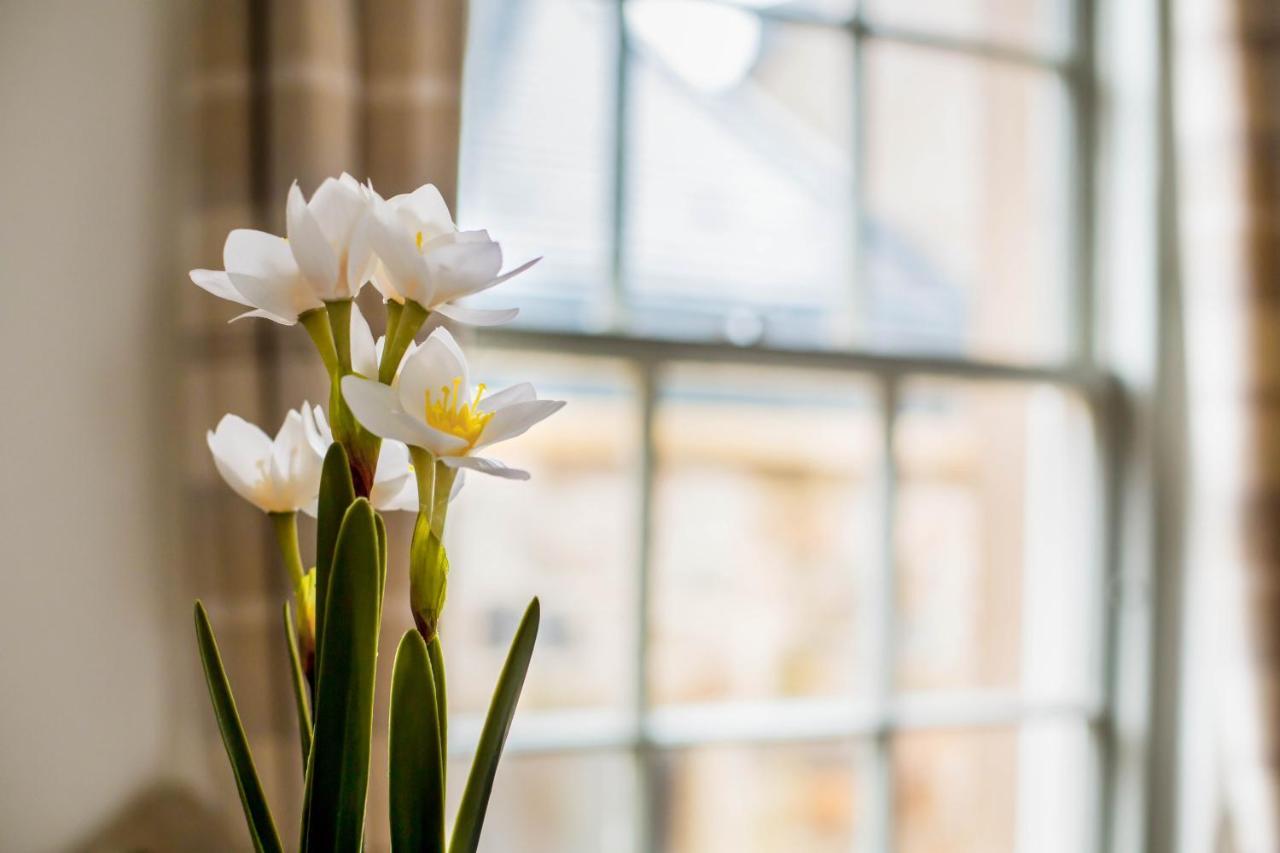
(262, 828)
(497, 723)
(442, 703)
(336, 496)
(416, 779)
(338, 773)
(301, 692)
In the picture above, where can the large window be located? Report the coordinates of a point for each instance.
(816, 539)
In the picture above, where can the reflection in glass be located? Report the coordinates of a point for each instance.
(967, 209)
(763, 521)
(993, 533)
(536, 165)
(568, 535)
(739, 183)
(557, 803)
(992, 791)
(758, 799)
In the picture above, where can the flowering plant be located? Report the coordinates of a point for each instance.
(404, 423)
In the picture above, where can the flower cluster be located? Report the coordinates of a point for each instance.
(407, 414)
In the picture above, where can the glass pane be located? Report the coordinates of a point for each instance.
(1041, 24)
(572, 803)
(994, 539)
(568, 536)
(536, 158)
(739, 177)
(991, 791)
(758, 799)
(764, 519)
(967, 209)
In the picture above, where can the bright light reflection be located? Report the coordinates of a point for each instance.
(710, 46)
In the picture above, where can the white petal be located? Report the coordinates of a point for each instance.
(364, 352)
(239, 450)
(319, 434)
(519, 393)
(515, 419)
(338, 206)
(429, 208)
(402, 265)
(477, 316)
(283, 298)
(314, 256)
(217, 283)
(259, 254)
(399, 496)
(432, 366)
(462, 267)
(361, 260)
(458, 482)
(378, 408)
(266, 315)
(485, 466)
(383, 282)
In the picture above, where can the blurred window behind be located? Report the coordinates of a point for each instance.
(816, 536)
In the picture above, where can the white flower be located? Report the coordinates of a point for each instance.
(424, 258)
(394, 487)
(434, 406)
(275, 475)
(326, 256)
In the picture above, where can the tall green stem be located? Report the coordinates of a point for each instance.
(394, 310)
(286, 528)
(428, 562)
(412, 316)
(316, 322)
(340, 319)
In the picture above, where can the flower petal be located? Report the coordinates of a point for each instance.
(519, 393)
(462, 267)
(428, 208)
(378, 408)
(432, 366)
(218, 283)
(338, 206)
(364, 352)
(477, 316)
(239, 450)
(485, 466)
(403, 269)
(259, 254)
(283, 298)
(314, 256)
(266, 315)
(516, 419)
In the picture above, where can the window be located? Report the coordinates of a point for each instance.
(816, 539)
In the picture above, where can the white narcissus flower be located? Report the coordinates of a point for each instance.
(434, 406)
(275, 475)
(326, 257)
(424, 258)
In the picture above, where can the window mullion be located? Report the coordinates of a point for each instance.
(646, 757)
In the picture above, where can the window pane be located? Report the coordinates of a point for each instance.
(967, 212)
(536, 164)
(739, 194)
(573, 803)
(994, 539)
(758, 799)
(1033, 23)
(990, 791)
(763, 522)
(568, 536)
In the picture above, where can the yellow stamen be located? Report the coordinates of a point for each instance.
(418, 240)
(447, 413)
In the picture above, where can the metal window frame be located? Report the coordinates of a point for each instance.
(646, 730)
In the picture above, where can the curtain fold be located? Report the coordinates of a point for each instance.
(286, 90)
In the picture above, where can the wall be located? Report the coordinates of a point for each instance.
(91, 659)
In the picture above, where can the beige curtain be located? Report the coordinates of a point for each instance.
(285, 90)
(1227, 81)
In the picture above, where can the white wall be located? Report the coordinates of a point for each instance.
(89, 653)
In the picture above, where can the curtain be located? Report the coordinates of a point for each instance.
(1227, 107)
(286, 90)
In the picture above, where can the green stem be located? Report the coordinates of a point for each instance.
(340, 320)
(394, 310)
(428, 563)
(286, 527)
(316, 322)
(444, 477)
(412, 316)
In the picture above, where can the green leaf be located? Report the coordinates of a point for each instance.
(416, 783)
(301, 692)
(484, 767)
(262, 828)
(336, 495)
(442, 704)
(338, 773)
(382, 557)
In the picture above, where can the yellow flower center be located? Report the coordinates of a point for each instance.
(418, 240)
(447, 412)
